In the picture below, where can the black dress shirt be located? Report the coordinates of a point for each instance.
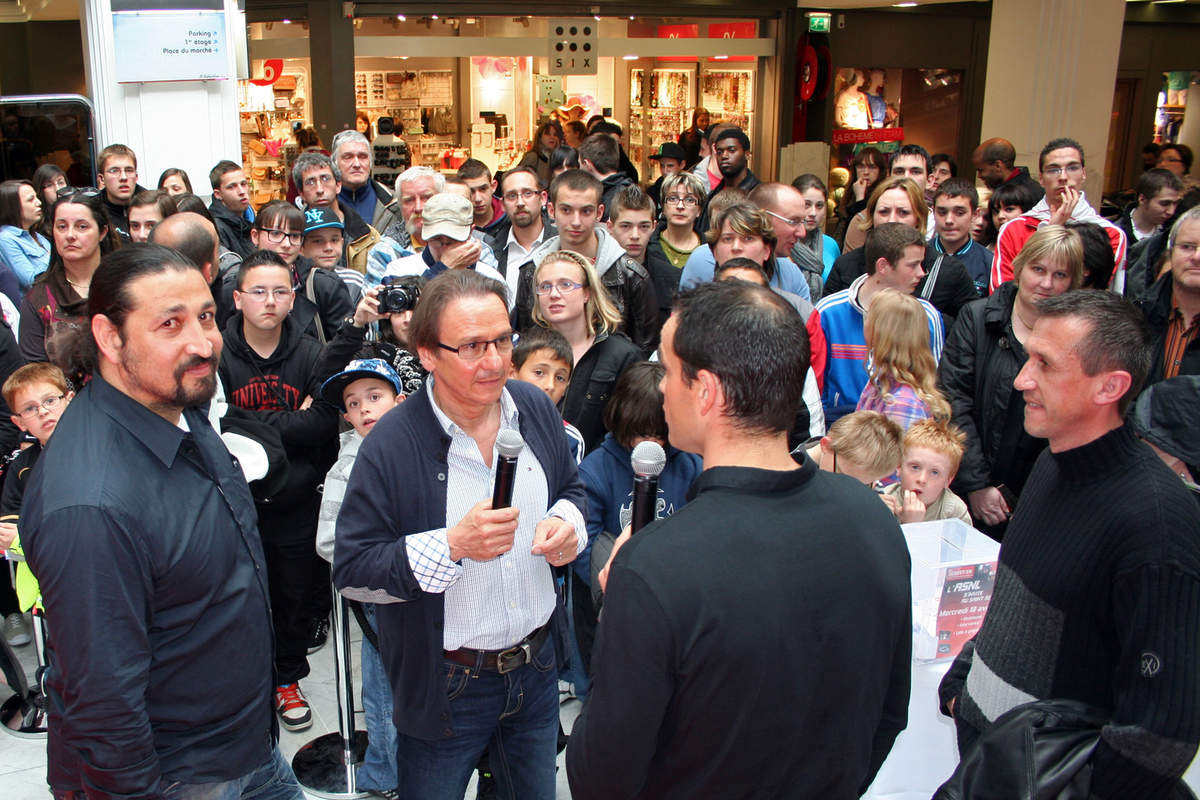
(145, 542)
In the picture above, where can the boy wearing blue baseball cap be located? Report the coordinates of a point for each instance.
(364, 391)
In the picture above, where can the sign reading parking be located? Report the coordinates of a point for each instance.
(572, 46)
(170, 46)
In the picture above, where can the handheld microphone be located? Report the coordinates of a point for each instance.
(648, 461)
(509, 445)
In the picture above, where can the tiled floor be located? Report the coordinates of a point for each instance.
(23, 761)
(922, 757)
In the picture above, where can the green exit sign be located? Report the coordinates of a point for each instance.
(818, 23)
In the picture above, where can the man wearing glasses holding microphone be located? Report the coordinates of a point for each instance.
(470, 622)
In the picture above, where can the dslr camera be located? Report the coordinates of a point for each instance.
(397, 295)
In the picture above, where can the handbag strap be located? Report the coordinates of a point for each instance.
(310, 293)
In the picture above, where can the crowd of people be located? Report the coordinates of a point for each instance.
(246, 405)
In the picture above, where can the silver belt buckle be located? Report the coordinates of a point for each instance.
(501, 658)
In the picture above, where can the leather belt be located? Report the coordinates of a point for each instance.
(501, 661)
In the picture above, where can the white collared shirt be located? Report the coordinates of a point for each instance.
(518, 255)
(490, 605)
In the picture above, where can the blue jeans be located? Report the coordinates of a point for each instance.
(574, 671)
(272, 780)
(513, 716)
(378, 770)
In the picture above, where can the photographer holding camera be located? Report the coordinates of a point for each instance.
(446, 223)
(390, 305)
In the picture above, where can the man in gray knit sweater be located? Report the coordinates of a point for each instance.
(1097, 594)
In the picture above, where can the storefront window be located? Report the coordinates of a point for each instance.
(275, 111)
(881, 108)
(1172, 104)
(456, 87)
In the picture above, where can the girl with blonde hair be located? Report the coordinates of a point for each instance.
(900, 363)
(572, 301)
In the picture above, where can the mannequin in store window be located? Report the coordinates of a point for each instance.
(875, 101)
(850, 109)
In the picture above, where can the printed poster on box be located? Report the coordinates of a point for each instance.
(170, 46)
(965, 596)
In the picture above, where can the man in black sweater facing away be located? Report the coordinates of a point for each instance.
(1097, 595)
(756, 643)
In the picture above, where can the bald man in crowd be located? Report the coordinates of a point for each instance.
(195, 237)
(995, 164)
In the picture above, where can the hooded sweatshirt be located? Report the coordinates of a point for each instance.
(1016, 232)
(607, 475)
(628, 283)
(233, 229)
(497, 221)
(276, 387)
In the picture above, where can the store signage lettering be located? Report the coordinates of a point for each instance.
(732, 30)
(850, 136)
(170, 46)
(572, 46)
(678, 32)
(272, 69)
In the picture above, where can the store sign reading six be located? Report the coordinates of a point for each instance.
(572, 46)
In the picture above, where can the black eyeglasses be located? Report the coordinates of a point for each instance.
(71, 191)
(523, 194)
(275, 236)
(473, 351)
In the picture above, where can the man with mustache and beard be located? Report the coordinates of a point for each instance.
(270, 367)
(141, 529)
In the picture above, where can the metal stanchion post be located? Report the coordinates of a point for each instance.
(325, 766)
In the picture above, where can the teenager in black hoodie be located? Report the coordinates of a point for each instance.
(269, 366)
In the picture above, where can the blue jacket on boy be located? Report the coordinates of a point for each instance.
(607, 475)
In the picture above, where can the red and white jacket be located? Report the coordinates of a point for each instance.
(1016, 233)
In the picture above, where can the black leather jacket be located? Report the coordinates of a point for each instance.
(979, 362)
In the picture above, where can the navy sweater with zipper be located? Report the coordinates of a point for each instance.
(398, 487)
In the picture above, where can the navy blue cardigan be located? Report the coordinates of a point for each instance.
(398, 487)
